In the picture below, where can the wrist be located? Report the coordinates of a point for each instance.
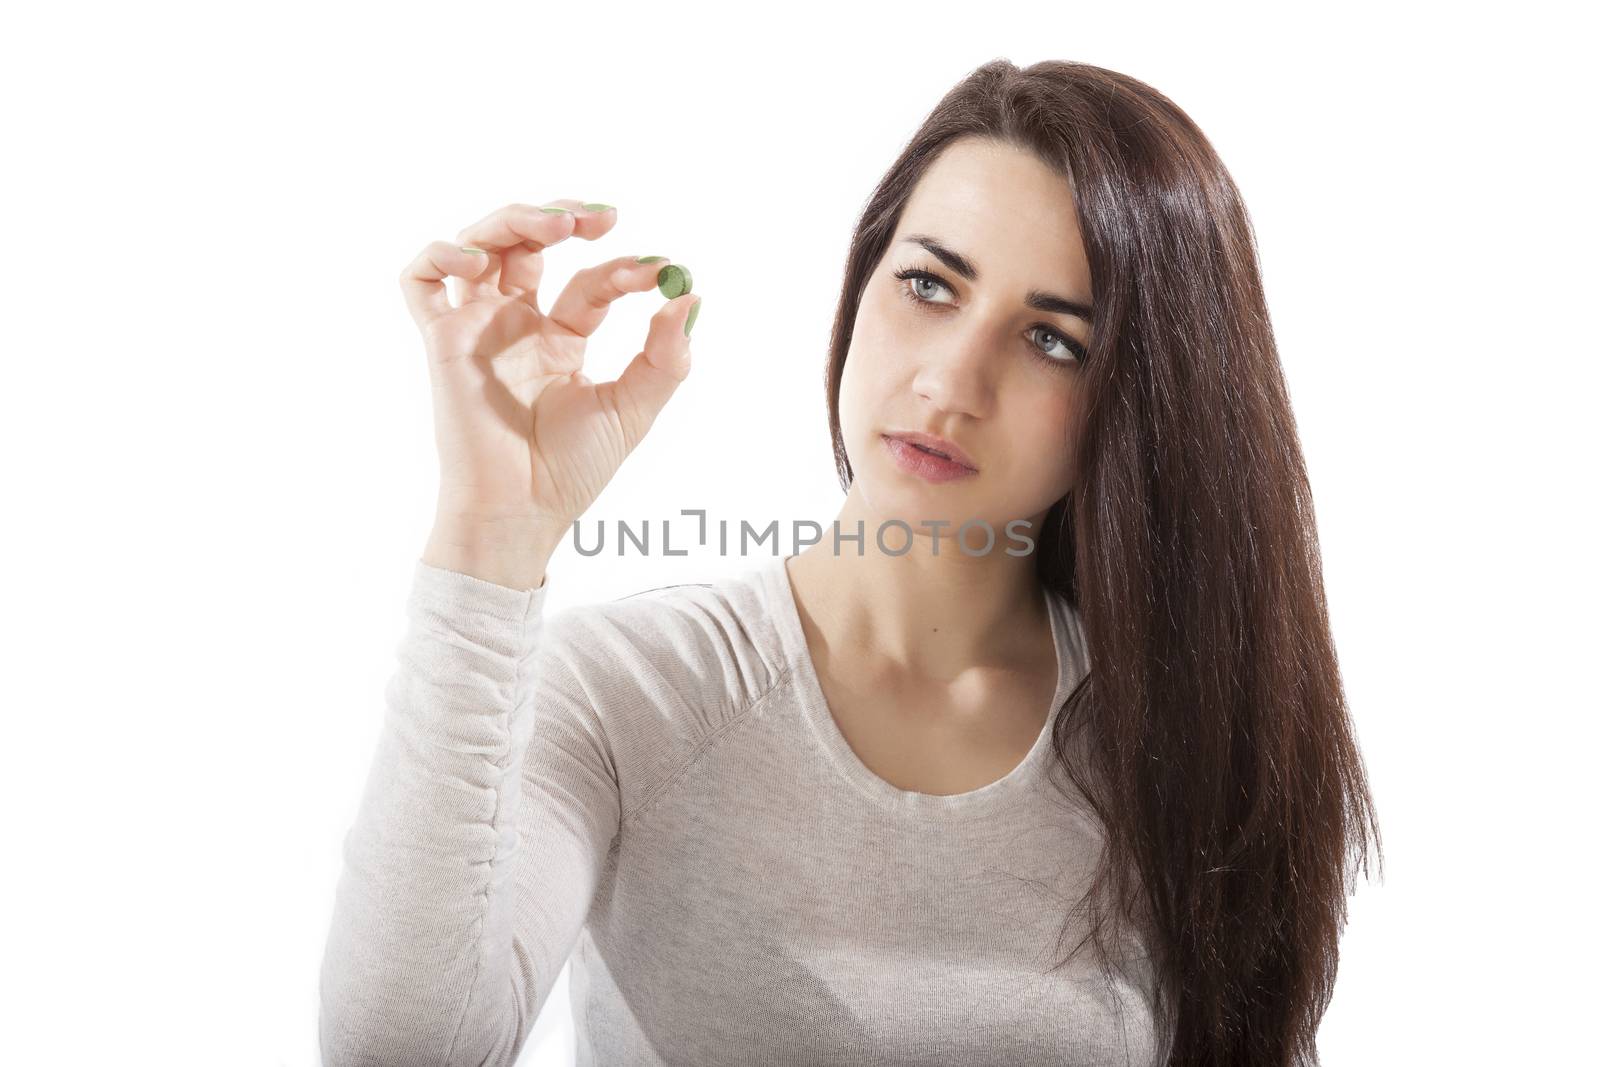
(512, 554)
(499, 529)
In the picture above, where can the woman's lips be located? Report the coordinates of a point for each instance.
(924, 464)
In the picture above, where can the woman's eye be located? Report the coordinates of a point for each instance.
(918, 281)
(1064, 347)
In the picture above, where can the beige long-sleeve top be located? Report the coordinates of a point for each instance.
(655, 789)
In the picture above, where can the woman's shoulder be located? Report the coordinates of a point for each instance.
(656, 676)
(699, 651)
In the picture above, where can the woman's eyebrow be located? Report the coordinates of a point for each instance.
(1036, 299)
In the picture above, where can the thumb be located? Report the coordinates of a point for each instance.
(649, 381)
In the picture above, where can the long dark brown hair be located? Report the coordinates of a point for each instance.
(1211, 736)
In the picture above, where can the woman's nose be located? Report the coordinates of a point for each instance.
(955, 375)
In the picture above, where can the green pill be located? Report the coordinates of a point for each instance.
(674, 281)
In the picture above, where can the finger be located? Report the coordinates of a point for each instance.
(649, 381)
(516, 223)
(537, 227)
(512, 226)
(583, 304)
(525, 226)
(521, 268)
(422, 282)
(589, 220)
(484, 285)
(522, 265)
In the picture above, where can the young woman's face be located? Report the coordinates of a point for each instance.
(967, 358)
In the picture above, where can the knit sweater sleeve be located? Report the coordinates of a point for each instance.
(489, 810)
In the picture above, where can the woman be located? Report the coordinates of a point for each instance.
(868, 803)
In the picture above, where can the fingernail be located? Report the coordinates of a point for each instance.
(555, 211)
(674, 280)
(597, 207)
(649, 259)
(694, 313)
(474, 251)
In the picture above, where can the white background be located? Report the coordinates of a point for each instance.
(220, 468)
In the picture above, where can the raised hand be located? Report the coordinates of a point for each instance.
(526, 441)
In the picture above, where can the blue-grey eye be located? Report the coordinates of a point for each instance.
(918, 279)
(1065, 349)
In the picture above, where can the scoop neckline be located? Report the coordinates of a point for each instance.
(825, 729)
